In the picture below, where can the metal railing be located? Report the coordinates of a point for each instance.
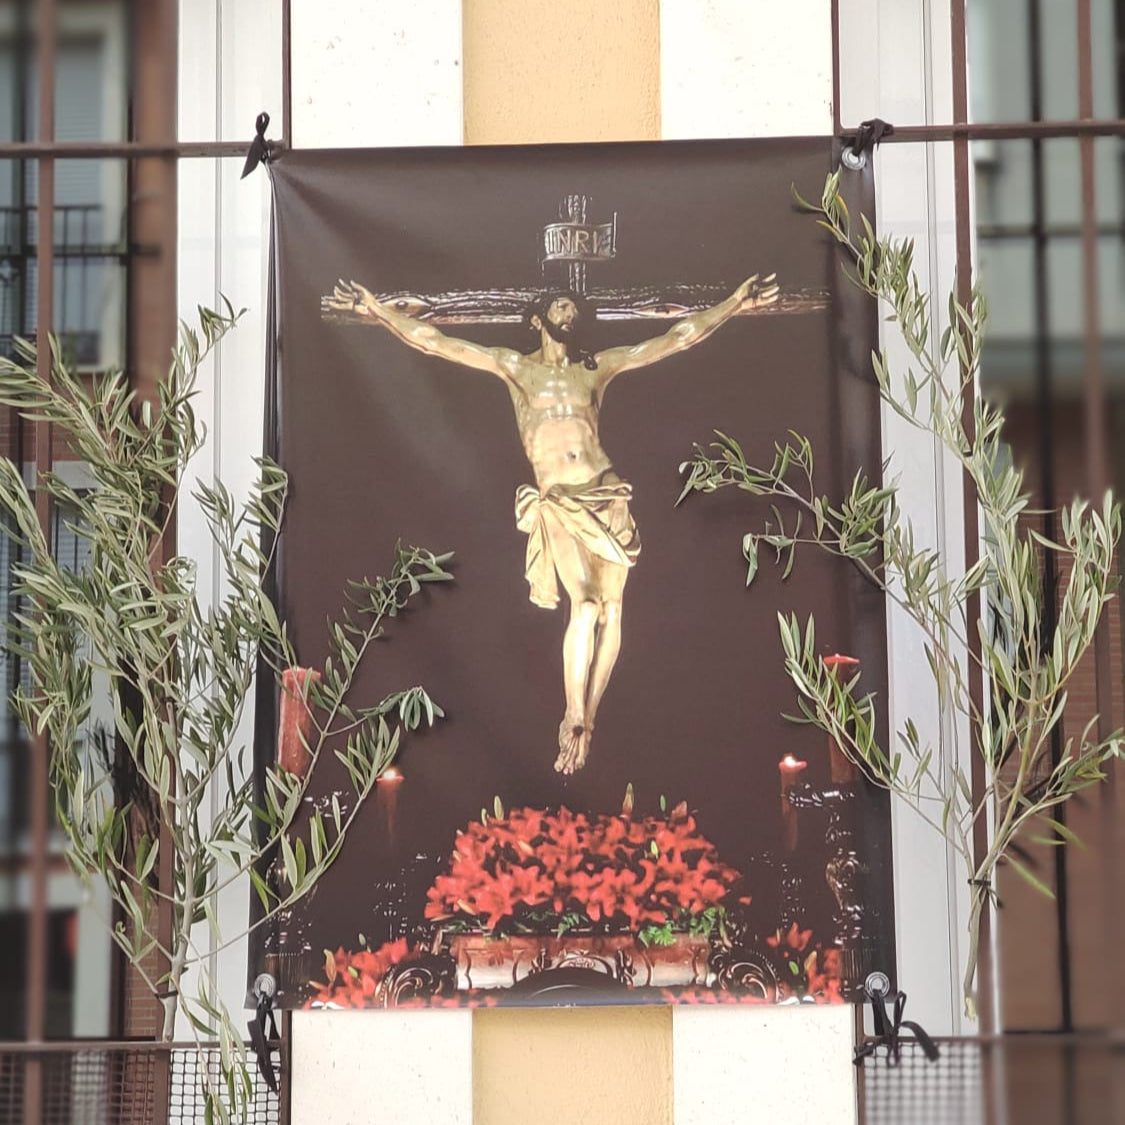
(997, 1080)
(81, 252)
(120, 1083)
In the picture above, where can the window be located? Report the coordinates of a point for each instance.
(83, 989)
(1030, 214)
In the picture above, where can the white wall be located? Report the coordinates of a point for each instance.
(896, 65)
(229, 71)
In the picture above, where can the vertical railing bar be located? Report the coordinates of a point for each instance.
(837, 116)
(62, 217)
(1047, 497)
(166, 127)
(286, 1059)
(39, 782)
(1094, 433)
(287, 74)
(20, 230)
(859, 1032)
(964, 281)
(1097, 471)
(1096, 464)
(120, 966)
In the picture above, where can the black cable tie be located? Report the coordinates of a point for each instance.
(888, 1030)
(870, 133)
(262, 1029)
(259, 152)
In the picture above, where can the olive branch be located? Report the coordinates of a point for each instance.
(133, 632)
(1026, 670)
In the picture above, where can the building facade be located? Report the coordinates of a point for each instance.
(447, 72)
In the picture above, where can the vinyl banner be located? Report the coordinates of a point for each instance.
(509, 354)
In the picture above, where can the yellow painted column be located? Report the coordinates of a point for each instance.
(538, 71)
(597, 1066)
(561, 70)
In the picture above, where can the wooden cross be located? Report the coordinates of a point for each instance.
(573, 240)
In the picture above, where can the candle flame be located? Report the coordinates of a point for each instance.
(793, 763)
(390, 775)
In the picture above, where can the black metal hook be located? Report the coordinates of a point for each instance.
(870, 133)
(867, 136)
(263, 1027)
(888, 1027)
(259, 152)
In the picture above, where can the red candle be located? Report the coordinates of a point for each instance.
(295, 720)
(843, 769)
(386, 801)
(790, 769)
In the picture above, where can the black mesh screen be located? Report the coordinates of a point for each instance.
(1018, 1080)
(118, 1085)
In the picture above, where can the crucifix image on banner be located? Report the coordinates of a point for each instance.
(504, 355)
(580, 532)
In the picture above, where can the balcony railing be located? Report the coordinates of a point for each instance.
(123, 1083)
(82, 251)
(1015, 1079)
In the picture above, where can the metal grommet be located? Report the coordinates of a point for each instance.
(265, 987)
(877, 984)
(853, 161)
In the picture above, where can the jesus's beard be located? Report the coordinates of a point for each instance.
(560, 333)
(565, 334)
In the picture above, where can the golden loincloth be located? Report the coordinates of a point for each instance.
(594, 515)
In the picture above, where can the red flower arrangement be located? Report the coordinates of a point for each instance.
(814, 975)
(533, 871)
(354, 978)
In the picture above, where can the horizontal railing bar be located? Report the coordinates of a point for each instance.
(27, 253)
(110, 1046)
(1000, 130)
(109, 150)
(1000, 232)
(1019, 1039)
(1100, 1040)
(903, 134)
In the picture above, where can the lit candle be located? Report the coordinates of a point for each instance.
(843, 769)
(790, 769)
(386, 802)
(295, 720)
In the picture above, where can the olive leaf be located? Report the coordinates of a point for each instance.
(989, 613)
(132, 635)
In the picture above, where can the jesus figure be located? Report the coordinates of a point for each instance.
(576, 515)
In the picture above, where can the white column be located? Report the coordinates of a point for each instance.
(380, 73)
(377, 73)
(914, 184)
(729, 68)
(350, 1068)
(736, 1064)
(732, 69)
(230, 70)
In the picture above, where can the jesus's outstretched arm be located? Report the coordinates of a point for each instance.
(349, 296)
(753, 293)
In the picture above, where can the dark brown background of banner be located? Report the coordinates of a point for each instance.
(384, 443)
